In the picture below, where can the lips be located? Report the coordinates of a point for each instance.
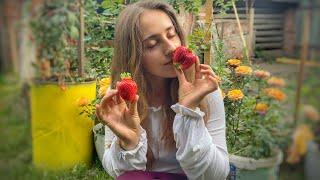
(170, 62)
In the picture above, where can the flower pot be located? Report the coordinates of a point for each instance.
(312, 161)
(98, 140)
(61, 137)
(245, 168)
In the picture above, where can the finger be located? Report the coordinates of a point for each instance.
(119, 99)
(180, 75)
(214, 80)
(198, 73)
(133, 106)
(98, 114)
(207, 72)
(217, 78)
(205, 66)
(109, 95)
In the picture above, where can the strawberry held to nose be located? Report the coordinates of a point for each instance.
(127, 87)
(183, 58)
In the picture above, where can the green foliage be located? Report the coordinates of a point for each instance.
(192, 6)
(100, 30)
(55, 32)
(196, 40)
(219, 57)
(250, 133)
(222, 6)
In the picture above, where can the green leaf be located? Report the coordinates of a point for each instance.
(72, 18)
(74, 33)
(104, 49)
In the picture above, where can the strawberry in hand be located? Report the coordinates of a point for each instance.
(183, 58)
(127, 87)
(118, 110)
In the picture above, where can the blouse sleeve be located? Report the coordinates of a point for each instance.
(117, 160)
(202, 150)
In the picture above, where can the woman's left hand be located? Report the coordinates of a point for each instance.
(205, 82)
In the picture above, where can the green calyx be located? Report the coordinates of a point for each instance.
(125, 75)
(176, 65)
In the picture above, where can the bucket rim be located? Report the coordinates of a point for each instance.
(252, 164)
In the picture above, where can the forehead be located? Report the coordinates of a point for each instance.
(154, 22)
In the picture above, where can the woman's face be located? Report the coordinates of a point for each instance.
(159, 41)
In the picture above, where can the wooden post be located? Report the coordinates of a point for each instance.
(11, 9)
(241, 32)
(251, 32)
(208, 21)
(3, 46)
(304, 56)
(81, 42)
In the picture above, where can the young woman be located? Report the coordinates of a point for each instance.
(177, 122)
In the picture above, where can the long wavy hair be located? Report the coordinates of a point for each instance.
(128, 52)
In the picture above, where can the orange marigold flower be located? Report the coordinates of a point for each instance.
(234, 62)
(63, 87)
(235, 95)
(276, 82)
(261, 74)
(275, 94)
(83, 101)
(261, 108)
(103, 86)
(243, 70)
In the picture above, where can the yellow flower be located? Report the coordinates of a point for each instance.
(311, 113)
(261, 74)
(234, 62)
(235, 95)
(275, 94)
(301, 137)
(261, 108)
(276, 82)
(104, 85)
(293, 155)
(83, 101)
(243, 70)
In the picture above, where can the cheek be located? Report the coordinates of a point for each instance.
(148, 62)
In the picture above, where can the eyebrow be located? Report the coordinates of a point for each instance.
(155, 35)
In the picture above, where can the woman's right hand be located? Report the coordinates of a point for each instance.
(123, 120)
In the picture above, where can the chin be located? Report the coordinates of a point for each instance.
(170, 73)
(167, 74)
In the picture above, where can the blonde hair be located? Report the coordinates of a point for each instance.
(128, 51)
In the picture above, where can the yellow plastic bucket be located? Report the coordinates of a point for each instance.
(61, 137)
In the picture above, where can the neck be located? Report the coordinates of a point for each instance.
(159, 91)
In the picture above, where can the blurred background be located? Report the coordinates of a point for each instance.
(55, 64)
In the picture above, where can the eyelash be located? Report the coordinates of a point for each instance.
(169, 36)
(172, 35)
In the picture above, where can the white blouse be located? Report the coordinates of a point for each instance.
(201, 149)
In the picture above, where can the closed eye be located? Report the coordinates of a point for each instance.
(151, 44)
(172, 34)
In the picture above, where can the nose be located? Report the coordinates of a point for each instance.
(169, 46)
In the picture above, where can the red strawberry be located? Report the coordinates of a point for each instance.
(127, 87)
(183, 58)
